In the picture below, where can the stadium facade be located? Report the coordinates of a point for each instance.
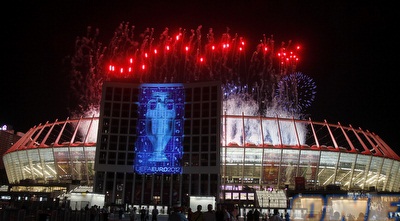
(234, 157)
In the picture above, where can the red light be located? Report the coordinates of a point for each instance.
(240, 49)
(213, 47)
(266, 49)
(131, 60)
(187, 48)
(155, 51)
(201, 59)
(167, 47)
(177, 37)
(143, 67)
(146, 55)
(121, 70)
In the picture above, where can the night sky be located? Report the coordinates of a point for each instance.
(348, 48)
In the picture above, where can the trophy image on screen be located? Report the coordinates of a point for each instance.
(159, 124)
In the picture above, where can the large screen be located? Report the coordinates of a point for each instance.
(158, 147)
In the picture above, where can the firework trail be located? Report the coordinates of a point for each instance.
(184, 55)
(87, 74)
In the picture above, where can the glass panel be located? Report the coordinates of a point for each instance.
(77, 159)
(308, 166)
(396, 182)
(19, 165)
(25, 163)
(360, 171)
(327, 167)
(36, 166)
(373, 174)
(393, 179)
(272, 159)
(48, 166)
(384, 176)
(289, 163)
(62, 164)
(253, 132)
(344, 171)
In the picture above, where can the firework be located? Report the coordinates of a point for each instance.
(87, 74)
(295, 92)
(185, 55)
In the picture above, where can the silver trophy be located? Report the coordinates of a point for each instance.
(159, 124)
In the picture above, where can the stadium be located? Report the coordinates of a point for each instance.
(60, 151)
(257, 152)
(244, 160)
(196, 131)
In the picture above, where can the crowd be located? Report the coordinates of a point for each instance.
(223, 214)
(143, 213)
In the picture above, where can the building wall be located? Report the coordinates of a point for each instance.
(7, 139)
(115, 155)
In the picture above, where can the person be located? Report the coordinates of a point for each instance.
(336, 216)
(198, 215)
(276, 216)
(104, 212)
(227, 215)
(143, 214)
(256, 215)
(121, 213)
(360, 217)
(219, 214)
(132, 214)
(209, 215)
(189, 214)
(235, 214)
(93, 212)
(154, 214)
(250, 215)
(177, 215)
(287, 216)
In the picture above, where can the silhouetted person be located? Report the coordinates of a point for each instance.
(198, 215)
(219, 214)
(256, 215)
(210, 214)
(177, 215)
(143, 214)
(276, 216)
(120, 213)
(154, 214)
(250, 215)
(287, 216)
